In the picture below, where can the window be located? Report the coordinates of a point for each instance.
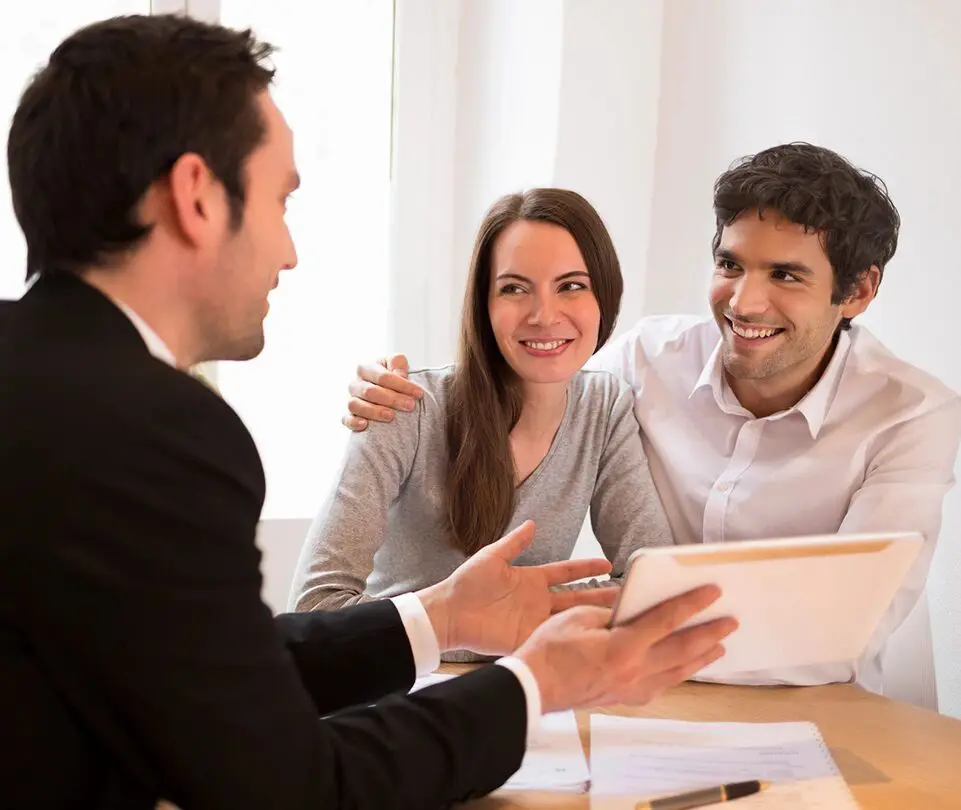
(34, 31)
(334, 86)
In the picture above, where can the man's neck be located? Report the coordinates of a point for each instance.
(781, 392)
(152, 306)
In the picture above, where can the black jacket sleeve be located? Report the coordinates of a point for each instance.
(151, 627)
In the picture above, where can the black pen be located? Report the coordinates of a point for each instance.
(700, 798)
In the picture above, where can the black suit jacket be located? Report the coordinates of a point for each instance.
(137, 660)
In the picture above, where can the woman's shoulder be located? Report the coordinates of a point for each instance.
(432, 378)
(412, 431)
(436, 382)
(601, 388)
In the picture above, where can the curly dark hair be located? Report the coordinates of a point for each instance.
(812, 186)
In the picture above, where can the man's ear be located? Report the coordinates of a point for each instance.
(197, 200)
(862, 294)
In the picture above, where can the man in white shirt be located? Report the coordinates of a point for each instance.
(778, 416)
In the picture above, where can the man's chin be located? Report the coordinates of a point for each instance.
(238, 351)
(742, 368)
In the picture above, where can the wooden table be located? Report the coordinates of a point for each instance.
(894, 756)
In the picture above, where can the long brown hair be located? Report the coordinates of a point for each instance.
(485, 397)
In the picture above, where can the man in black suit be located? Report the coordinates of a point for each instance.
(149, 170)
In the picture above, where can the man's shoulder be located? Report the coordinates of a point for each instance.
(671, 335)
(78, 399)
(677, 345)
(869, 359)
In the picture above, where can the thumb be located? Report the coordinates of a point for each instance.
(512, 545)
(589, 617)
(398, 364)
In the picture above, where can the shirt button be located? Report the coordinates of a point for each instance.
(723, 486)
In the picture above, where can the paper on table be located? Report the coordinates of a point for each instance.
(554, 759)
(634, 759)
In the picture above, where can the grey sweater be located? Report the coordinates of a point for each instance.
(383, 529)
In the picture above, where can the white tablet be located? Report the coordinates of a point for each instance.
(799, 601)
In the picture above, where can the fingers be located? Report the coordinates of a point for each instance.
(366, 410)
(355, 423)
(682, 648)
(395, 381)
(559, 573)
(687, 671)
(582, 617)
(398, 364)
(662, 620)
(513, 544)
(657, 684)
(370, 394)
(565, 600)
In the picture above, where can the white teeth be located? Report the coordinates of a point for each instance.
(544, 347)
(752, 334)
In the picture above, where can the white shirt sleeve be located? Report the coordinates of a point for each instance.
(532, 692)
(420, 632)
(426, 651)
(904, 490)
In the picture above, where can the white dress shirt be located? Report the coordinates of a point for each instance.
(871, 447)
(420, 632)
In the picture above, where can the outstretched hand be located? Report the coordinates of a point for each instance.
(491, 606)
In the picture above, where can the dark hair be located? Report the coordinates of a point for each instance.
(848, 207)
(115, 107)
(485, 398)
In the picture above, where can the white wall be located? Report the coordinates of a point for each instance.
(508, 83)
(607, 126)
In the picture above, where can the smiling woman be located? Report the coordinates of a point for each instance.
(515, 430)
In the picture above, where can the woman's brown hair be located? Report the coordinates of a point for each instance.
(485, 397)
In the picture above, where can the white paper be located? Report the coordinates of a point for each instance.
(554, 759)
(635, 759)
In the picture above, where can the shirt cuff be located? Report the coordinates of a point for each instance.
(532, 692)
(420, 633)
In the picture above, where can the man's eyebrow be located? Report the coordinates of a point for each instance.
(798, 268)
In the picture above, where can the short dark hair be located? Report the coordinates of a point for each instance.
(812, 186)
(118, 103)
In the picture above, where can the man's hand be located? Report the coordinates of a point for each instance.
(579, 660)
(490, 606)
(380, 389)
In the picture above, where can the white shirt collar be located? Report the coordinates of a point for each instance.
(813, 406)
(155, 345)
